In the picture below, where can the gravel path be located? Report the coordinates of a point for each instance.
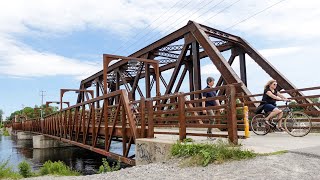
(285, 166)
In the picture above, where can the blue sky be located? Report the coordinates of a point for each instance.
(49, 45)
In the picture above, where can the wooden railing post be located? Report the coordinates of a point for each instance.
(232, 114)
(142, 114)
(182, 117)
(150, 118)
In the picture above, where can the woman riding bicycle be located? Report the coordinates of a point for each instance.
(269, 98)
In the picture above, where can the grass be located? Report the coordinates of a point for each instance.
(48, 168)
(204, 154)
(105, 167)
(7, 172)
(25, 169)
(57, 168)
(5, 132)
(273, 153)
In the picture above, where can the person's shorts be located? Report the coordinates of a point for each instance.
(268, 107)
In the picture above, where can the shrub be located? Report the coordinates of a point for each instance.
(203, 154)
(5, 132)
(105, 167)
(25, 169)
(57, 168)
(7, 172)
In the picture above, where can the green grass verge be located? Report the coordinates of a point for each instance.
(57, 168)
(204, 154)
(48, 168)
(7, 172)
(273, 153)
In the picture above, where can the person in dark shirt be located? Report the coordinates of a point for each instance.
(269, 98)
(209, 94)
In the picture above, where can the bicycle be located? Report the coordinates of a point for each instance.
(296, 123)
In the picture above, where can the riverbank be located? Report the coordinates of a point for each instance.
(291, 165)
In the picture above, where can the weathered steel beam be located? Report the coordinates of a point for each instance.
(217, 59)
(176, 69)
(243, 68)
(283, 82)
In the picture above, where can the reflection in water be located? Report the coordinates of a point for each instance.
(80, 159)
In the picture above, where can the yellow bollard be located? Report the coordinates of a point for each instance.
(246, 121)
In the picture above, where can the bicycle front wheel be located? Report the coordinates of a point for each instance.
(297, 124)
(258, 125)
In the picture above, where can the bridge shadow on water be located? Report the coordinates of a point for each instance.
(80, 159)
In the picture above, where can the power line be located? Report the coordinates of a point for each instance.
(170, 29)
(152, 29)
(254, 15)
(145, 28)
(205, 13)
(140, 32)
(222, 10)
(209, 9)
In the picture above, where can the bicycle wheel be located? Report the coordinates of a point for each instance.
(258, 125)
(297, 124)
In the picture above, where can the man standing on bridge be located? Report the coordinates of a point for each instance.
(208, 103)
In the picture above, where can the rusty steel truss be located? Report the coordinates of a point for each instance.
(182, 51)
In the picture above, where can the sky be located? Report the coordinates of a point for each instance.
(49, 45)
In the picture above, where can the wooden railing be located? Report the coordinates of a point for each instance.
(94, 128)
(301, 103)
(185, 112)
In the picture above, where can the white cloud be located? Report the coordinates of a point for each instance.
(19, 60)
(279, 22)
(279, 51)
(209, 69)
(59, 17)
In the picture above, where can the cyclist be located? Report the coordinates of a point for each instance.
(269, 98)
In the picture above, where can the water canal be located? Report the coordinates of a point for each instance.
(82, 160)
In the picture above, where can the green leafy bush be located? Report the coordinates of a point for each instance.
(25, 169)
(105, 167)
(5, 132)
(7, 172)
(57, 168)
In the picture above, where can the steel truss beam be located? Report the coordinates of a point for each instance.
(200, 41)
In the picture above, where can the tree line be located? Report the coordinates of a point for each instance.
(30, 112)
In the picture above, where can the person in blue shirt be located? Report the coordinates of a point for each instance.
(209, 94)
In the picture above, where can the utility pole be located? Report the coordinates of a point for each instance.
(41, 110)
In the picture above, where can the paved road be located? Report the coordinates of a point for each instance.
(281, 141)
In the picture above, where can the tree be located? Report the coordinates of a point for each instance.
(299, 108)
(1, 114)
(33, 112)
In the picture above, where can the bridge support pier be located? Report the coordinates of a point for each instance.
(42, 142)
(21, 135)
(152, 150)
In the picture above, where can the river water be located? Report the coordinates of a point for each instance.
(82, 160)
